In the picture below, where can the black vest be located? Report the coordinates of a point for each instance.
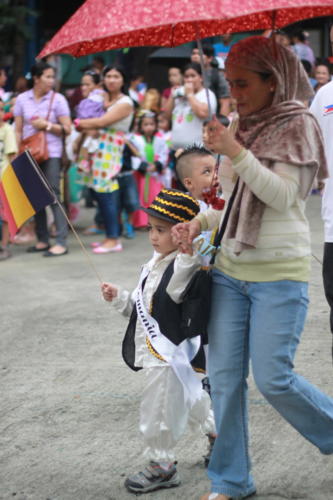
(168, 315)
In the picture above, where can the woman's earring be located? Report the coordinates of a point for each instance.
(272, 89)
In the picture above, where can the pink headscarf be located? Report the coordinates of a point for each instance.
(284, 132)
(265, 55)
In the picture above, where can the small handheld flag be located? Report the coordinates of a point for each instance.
(23, 192)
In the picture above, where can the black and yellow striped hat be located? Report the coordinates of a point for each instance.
(173, 206)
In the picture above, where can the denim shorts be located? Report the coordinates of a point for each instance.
(129, 198)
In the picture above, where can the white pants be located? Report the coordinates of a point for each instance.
(164, 414)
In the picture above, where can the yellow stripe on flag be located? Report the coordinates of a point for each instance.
(19, 204)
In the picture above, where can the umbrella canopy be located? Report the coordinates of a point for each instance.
(170, 56)
(183, 52)
(100, 25)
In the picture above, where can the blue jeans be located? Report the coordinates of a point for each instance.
(108, 204)
(262, 321)
(129, 197)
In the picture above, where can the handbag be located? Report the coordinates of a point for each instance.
(37, 143)
(196, 298)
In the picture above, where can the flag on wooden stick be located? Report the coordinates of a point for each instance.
(23, 191)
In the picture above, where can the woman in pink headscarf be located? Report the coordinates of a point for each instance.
(261, 272)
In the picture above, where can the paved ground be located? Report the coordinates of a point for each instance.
(69, 406)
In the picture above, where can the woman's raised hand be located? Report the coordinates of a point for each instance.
(188, 88)
(184, 233)
(219, 139)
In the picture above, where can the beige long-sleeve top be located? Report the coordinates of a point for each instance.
(283, 248)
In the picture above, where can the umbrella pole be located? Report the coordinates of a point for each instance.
(49, 188)
(274, 34)
(210, 115)
(204, 76)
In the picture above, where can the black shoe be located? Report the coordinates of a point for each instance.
(34, 249)
(51, 254)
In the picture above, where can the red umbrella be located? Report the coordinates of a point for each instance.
(100, 25)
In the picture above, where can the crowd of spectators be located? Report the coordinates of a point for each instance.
(145, 125)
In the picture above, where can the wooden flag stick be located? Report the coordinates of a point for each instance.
(49, 188)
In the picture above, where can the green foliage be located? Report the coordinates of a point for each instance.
(13, 23)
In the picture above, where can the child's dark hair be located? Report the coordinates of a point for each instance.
(37, 70)
(221, 118)
(163, 114)
(135, 76)
(300, 35)
(307, 66)
(96, 77)
(99, 59)
(195, 66)
(146, 113)
(322, 61)
(182, 161)
(207, 49)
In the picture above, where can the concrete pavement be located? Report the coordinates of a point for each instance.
(69, 405)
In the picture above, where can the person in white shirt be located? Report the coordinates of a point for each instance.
(322, 108)
(189, 108)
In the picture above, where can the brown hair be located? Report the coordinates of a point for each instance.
(152, 100)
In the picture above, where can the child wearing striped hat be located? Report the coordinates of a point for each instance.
(155, 340)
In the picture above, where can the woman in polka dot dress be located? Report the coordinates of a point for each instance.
(106, 161)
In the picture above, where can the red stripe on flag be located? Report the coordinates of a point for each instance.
(8, 213)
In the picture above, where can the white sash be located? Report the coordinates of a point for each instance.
(178, 357)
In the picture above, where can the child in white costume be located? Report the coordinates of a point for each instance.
(154, 340)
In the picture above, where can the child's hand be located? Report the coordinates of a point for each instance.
(109, 291)
(151, 168)
(106, 101)
(186, 248)
(94, 133)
